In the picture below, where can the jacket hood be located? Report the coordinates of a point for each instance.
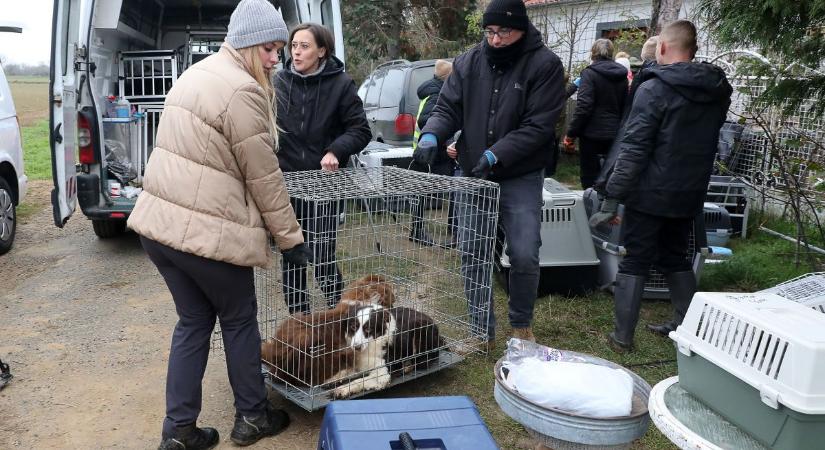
(533, 39)
(697, 82)
(430, 87)
(333, 66)
(609, 69)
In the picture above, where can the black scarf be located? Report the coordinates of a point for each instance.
(503, 57)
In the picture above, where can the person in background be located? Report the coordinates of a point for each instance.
(599, 105)
(505, 94)
(441, 165)
(649, 60)
(322, 123)
(661, 175)
(211, 191)
(624, 59)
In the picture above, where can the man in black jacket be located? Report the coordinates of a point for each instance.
(506, 94)
(599, 106)
(662, 173)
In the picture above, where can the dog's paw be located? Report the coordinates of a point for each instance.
(346, 390)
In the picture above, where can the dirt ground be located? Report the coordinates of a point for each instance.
(85, 325)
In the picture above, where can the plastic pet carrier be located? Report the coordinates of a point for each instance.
(425, 423)
(808, 289)
(717, 225)
(568, 261)
(759, 361)
(609, 242)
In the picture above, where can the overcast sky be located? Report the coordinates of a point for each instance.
(33, 46)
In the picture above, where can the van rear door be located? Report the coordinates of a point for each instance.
(63, 110)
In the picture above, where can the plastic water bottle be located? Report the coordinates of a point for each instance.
(123, 108)
(518, 349)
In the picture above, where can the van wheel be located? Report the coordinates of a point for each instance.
(8, 217)
(105, 229)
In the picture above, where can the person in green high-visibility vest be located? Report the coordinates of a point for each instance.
(443, 164)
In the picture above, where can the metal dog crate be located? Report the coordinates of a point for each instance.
(145, 75)
(359, 259)
(201, 44)
(609, 242)
(568, 261)
(379, 154)
(731, 193)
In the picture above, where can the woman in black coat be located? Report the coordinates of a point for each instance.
(599, 106)
(322, 123)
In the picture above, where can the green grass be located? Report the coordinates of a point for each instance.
(567, 170)
(37, 158)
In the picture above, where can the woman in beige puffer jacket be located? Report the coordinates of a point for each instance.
(212, 190)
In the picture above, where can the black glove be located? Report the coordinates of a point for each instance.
(609, 209)
(426, 150)
(298, 255)
(485, 165)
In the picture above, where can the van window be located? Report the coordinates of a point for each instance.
(392, 89)
(326, 15)
(374, 90)
(66, 15)
(419, 76)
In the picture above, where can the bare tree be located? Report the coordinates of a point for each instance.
(567, 25)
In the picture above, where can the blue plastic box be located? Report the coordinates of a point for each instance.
(434, 423)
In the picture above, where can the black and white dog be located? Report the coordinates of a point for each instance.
(416, 344)
(370, 333)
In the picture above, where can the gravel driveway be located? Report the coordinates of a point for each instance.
(85, 325)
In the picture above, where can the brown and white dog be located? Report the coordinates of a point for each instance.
(330, 346)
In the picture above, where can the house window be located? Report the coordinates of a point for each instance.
(628, 35)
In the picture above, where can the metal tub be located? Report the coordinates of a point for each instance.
(564, 430)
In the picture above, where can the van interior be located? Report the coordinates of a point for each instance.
(126, 56)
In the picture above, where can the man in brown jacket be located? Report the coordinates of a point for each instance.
(212, 190)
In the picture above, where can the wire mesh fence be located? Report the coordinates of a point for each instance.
(399, 285)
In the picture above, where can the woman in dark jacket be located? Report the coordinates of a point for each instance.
(599, 106)
(322, 124)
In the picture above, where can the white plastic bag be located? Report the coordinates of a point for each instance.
(580, 388)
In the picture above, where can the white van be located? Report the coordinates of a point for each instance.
(134, 49)
(12, 178)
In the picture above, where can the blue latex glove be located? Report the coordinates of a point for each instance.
(426, 150)
(485, 165)
(578, 81)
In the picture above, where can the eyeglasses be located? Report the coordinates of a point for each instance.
(502, 32)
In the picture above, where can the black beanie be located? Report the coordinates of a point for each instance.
(506, 13)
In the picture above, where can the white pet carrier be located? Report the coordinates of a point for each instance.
(759, 361)
(808, 289)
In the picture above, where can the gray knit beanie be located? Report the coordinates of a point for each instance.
(255, 22)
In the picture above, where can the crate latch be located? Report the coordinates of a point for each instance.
(682, 344)
(769, 396)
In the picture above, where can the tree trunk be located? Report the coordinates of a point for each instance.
(394, 29)
(662, 13)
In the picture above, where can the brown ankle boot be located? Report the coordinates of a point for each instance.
(525, 334)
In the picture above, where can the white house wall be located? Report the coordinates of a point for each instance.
(553, 22)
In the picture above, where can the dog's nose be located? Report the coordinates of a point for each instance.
(358, 347)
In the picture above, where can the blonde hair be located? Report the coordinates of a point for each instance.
(681, 34)
(443, 68)
(622, 55)
(649, 49)
(256, 69)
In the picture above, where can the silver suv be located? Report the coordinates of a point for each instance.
(12, 179)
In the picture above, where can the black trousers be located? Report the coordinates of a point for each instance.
(319, 222)
(203, 290)
(591, 151)
(650, 240)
